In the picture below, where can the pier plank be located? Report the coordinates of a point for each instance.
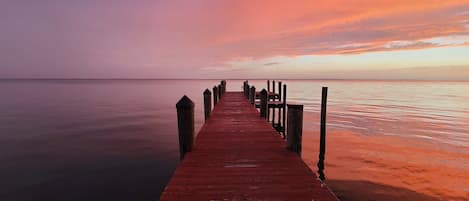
(239, 156)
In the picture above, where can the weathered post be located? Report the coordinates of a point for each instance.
(244, 88)
(207, 103)
(215, 95)
(284, 111)
(219, 91)
(273, 90)
(322, 146)
(223, 84)
(279, 125)
(252, 95)
(295, 127)
(220, 88)
(273, 99)
(185, 115)
(263, 103)
(268, 85)
(248, 89)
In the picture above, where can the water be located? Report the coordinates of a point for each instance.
(117, 139)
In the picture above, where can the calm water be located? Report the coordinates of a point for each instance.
(100, 140)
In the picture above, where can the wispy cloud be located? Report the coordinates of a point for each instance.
(271, 63)
(181, 37)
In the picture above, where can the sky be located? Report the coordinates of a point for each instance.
(334, 39)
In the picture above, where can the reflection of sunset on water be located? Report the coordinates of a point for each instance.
(420, 166)
(423, 167)
(384, 141)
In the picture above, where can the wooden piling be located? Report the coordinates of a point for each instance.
(215, 96)
(219, 91)
(279, 90)
(295, 127)
(185, 115)
(252, 95)
(268, 85)
(279, 126)
(322, 146)
(223, 86)
(273, 108)
(263, 108)
(245, 83)
(248, 90)
(284, 111)
(207, 103)
(273, 89)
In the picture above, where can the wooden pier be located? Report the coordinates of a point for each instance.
(237, 155)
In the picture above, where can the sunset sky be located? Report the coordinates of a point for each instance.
(339, 39)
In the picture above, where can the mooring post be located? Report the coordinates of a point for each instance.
(322, 146)
(248, 89)
(185, 115)
(221, 88)
(223, 84)
(268, 85)
(219, 91)
(279, 90)
(215, 95)
(273, 108)
(244, 88)
(252, 95)
(284, 111)
(279, 126)
(207, 103)
(295, 127)
(263, 103)
(273, 90)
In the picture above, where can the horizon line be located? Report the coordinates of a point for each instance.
(315, 79)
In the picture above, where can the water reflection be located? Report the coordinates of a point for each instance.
(90, 139)
(100, 140)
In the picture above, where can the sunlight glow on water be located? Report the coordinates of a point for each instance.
(117, 139)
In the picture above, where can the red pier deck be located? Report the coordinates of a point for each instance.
(239, 156)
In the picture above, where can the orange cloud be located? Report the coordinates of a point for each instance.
(163, 38)
(277, 28)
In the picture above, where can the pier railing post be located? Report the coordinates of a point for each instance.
(223, 84)
(322, 146)
(271, 98)
(219, 91)
(263, 103)
(222, 88)
(248, 89)
(294, 127)
(252, 95)
(185, 115)
(244, 88)
(284, 111)
(273, 90)
(268, 85)
(215, 96)
(207, 103)
(279, 125)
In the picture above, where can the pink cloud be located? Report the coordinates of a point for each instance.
(164, 38)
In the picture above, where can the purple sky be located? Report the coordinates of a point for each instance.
(234, 39)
